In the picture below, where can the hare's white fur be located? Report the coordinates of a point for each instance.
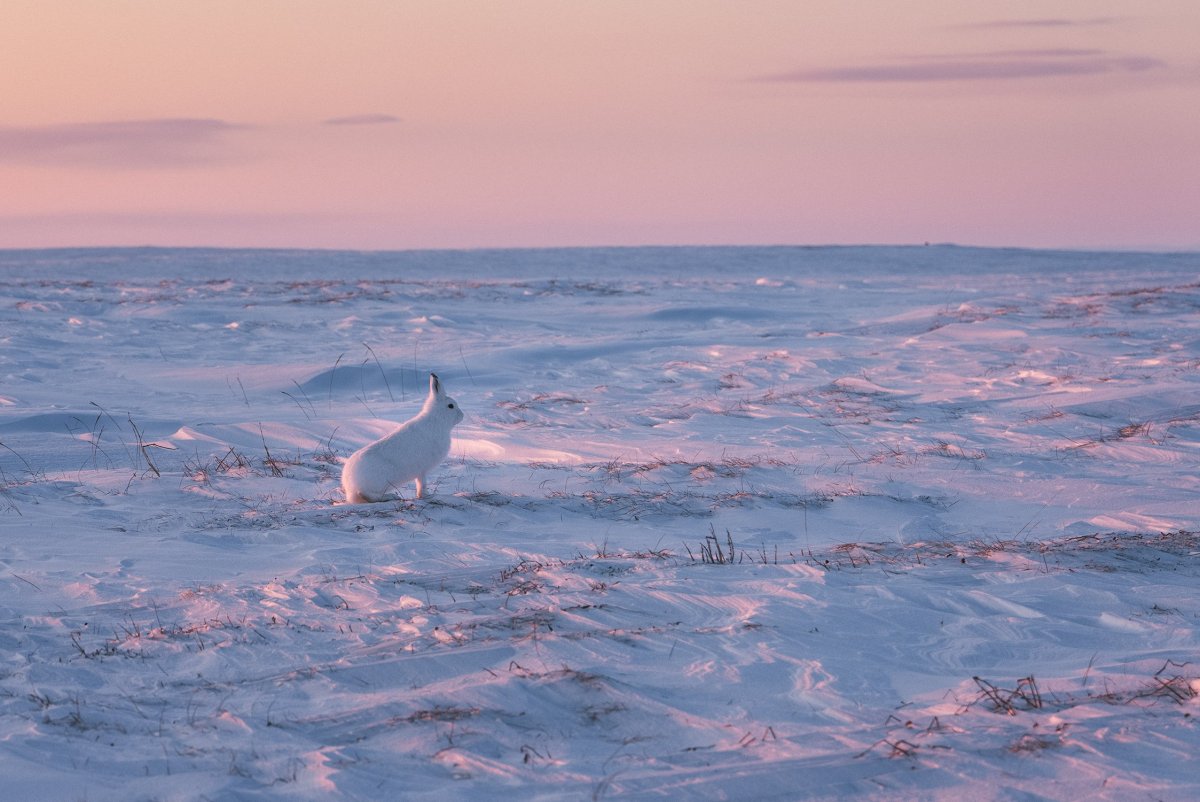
(376, 471)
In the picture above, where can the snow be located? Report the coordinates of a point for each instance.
(771, 523)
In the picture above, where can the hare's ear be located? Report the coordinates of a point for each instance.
(435, 386)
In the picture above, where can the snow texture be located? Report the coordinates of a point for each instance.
(720, 523)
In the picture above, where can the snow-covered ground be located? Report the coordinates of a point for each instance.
(721, 523)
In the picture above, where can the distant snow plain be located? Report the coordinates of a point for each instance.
(721, 523)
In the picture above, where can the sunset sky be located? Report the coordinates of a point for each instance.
(453, 124)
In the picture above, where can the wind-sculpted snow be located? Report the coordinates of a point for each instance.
(772, 523)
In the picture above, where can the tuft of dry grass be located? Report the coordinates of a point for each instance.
(1025, 696)
(1167, 683)
(711, 551)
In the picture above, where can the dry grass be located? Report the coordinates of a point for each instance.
(1025, 696)
(1172, 683)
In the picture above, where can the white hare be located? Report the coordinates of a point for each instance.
(375, 471)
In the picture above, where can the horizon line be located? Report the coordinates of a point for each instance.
(1130, 249)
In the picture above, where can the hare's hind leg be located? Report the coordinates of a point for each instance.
(421, 486)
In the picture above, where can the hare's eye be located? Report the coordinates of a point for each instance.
(451, 406)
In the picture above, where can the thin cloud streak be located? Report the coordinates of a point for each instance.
(990, 67)
(1032, 53)
(363, 119)
(186, 227)
(1053, 22)
(121, 144)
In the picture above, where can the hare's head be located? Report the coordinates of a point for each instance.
(441, 406)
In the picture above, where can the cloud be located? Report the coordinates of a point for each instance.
(1050, 52)
(163, 222)
(363, 119)
(997, 66)
(122, 144)
(1051, 22)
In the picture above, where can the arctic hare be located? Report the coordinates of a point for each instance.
(375, 471)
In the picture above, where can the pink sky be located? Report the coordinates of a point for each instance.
(446, 124)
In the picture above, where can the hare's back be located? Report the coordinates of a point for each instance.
(410, 451)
